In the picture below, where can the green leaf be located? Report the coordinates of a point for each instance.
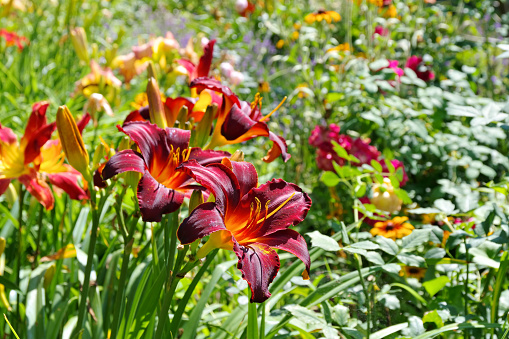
(481, 258)
(324, 242)
(388, 331)
(366, 245)
(340, 150)
(435, 285)
(376, 165)
(8, 284)
(330, 179)
(387, 245)
(455, 327)
(412, 292)
(412, 260)
(433, 317)
(416, 238)
(374, 257)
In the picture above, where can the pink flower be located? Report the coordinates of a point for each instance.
(422, 71)
(382, 31)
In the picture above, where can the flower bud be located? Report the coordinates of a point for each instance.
(155, 104)
(195, 200)
(79, 41)
(72, 142)
(237, 156)
(96, 104)
(2, 248)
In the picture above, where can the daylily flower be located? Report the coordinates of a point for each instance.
(36, 159)
(252, 221)
(239, 121)
(395, 229)
(203, 67)
(99, 80)
(162, 188)
(422, 71)
(11, 39)
(322, 15)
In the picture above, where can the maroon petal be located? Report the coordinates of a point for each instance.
(173, 107)
(39, 189)
(212, 84)
(290, 241)
(37, 118)
(245, 173)
(83, 122)
(68, 181)
(4, 184)
(238, 125)
(279, 147)
(206, 60)
(7, 135)
(219, 179)
(123, 161)
(36, 141)
(204, 220)
(143, 114)
(155, 199)
(208, 156)
(286, 205)
(259, 265)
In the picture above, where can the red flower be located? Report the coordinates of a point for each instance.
(250, 221)
(162, 188)
(36, 159)
(12, 39)
(422, 71)
(203, 67)
(239, 121)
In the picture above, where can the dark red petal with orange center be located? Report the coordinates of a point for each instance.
(279, 147)
(98, 179)
(68, 181)
(7, 135)
(83, 122)
(36, 141)
(37, 119)
(206, 60)
(4, 184)
(290, 241)
(204, 220)
(206, 157)
(286, 205)
(259, 265)
(189, 66)
(123, 161)
(39, 189)
(239, 127)
(212, 84)
(245, 173)
(220, 180)
(143, 114)
(155, 199)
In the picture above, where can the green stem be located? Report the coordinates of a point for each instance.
(39, 236)
(262, 323)
(252, 320)
(366, 293)
(88, 268)
(20, 252)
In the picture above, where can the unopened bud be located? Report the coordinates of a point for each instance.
(79, 41)
(72, 142)
(195, 200)
(155, 104)
(237, 156)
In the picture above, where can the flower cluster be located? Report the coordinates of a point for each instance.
(13, 39)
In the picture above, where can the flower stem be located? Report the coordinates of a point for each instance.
(252, 320)
(262, 323)
(20, 253)
(39, 235)
(88, 268)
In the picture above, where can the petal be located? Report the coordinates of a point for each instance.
(205, 157)
(239, 127)
(245, 173)
(174, 106)
(37, 118)
(7, 135)
(155, 199)
(126, 160)
(286, 205)
(4, 184)
(83, 122)
(204, 220)
(39, 189)
(143, 114)
(290, 241)
(189, 66)
(279, 147)
(36, 141)
(220, 180)
(68, 181)
(212, 84)
(259, 265)
(206, 60)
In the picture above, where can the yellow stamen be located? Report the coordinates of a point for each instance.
(274, 110)
(277, 209)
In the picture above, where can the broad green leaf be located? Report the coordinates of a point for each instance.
(387, 245)
(324, 242)
(435, 285)
(416, 238)
(330, 179)
(433, 317)
(388, 331)
(365, 245)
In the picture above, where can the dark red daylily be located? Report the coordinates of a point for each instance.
(36, 159)
(252, 221)
(203, 67)
(239, 121)
(162, 188)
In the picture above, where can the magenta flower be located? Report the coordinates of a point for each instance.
(423, 71)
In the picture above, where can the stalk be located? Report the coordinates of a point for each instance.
(39, 235)
(20, 252)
